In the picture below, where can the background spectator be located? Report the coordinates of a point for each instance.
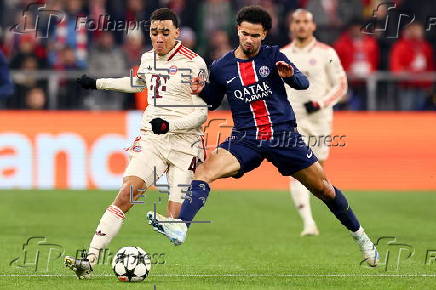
(208, 27)
(412, 53)
(6, 85)
(68, 34)
(133, 47)
(106, 57)
(188, 37)
(25, 83)
(359, 56)
(35, 99)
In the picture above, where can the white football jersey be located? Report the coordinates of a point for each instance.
(328, 81)
(167, 79)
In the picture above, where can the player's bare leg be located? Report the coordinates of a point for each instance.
(301, 197)
(173, 209)
(314, 179)
(109, 226)
(219, 164)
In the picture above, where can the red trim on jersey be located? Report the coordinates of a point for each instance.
(339, 93)
(187, 52)
(174, 53)
(262, 120)
(247, 73)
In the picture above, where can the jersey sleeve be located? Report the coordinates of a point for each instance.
(337, 79)
(298, 81)
(134, 84)
(213, 91)
(192, 120)
(199, 114)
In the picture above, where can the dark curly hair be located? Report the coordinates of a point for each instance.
(165, 14)
(256, 15)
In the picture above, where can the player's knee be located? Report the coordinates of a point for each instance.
(322, 189)
(128, 193)
(204, 173)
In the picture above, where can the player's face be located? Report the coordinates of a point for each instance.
(250, 37)
(302, 25)
(163, 36)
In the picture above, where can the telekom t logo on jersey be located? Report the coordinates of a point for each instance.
(157, 84)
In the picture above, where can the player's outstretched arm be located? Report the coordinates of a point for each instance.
(290, 73)
(114, 84)
(194, 119)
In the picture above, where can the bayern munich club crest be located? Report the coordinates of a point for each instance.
(264, 71)
(173, 70)
(137, 148)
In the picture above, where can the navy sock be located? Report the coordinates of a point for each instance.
(340, 208)
(194, 201)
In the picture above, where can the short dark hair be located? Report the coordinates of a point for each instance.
(256, 15)
(165, 14)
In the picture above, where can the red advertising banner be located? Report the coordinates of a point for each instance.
(81, 150)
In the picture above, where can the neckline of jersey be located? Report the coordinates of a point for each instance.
(246, 60)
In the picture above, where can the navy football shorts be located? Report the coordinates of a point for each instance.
(287, 152)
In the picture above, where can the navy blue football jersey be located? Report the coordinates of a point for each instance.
(255, 92)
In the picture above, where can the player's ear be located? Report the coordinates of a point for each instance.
(177, 32)
(264, 34)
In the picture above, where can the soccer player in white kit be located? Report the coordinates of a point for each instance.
(313, 107)
(170, 139)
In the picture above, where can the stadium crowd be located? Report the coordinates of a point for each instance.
(89, 39)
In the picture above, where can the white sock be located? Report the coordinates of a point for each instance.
(300, 196)
(109, 226)
(358, 233)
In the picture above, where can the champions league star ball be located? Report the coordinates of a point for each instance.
(131, 264)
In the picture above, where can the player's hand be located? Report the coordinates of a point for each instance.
(197, 85)
(312, 107)
(87, 83)
(159, 126)
(285, 70)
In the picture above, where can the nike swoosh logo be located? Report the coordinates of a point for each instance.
(309, 154)
(231, 80)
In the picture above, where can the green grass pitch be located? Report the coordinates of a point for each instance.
(252, 242)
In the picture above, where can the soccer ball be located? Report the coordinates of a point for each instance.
(131, 264)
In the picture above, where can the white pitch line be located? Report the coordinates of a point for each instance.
(237, 275)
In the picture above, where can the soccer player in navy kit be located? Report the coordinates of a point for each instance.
(253, 77)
